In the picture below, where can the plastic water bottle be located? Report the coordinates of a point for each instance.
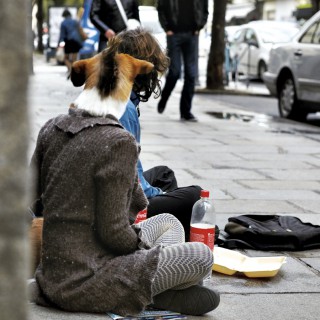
(203, 221)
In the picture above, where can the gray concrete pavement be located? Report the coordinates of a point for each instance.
(251, 163)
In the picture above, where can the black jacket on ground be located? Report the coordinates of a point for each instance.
(168, 11)
(104, 14)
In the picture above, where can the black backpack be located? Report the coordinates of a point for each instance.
(269, 232)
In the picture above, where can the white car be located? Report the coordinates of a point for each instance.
(294, 72)
(252, 43)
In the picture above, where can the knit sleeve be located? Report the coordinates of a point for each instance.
(36, 160)
(35, 166)
(116, 192)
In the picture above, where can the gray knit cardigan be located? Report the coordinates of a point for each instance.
(93, 260)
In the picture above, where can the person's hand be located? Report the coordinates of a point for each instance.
(109, 34)
(169, 33)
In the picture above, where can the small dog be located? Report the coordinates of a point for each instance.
(108, 80)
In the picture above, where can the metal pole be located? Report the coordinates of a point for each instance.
(248, 66)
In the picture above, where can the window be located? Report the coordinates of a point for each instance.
(251, 37)
(239, 36)
(312, 35)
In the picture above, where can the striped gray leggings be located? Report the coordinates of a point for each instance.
(181, 264)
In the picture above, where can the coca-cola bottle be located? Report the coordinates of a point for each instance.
(141, 216)
(203, 221)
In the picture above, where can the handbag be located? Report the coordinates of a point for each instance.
(130, 23)
(83, 35)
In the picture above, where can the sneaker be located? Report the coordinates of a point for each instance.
(189, 118)
(196, 300)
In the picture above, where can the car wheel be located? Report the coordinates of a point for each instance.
(288, 102)
(262, 68)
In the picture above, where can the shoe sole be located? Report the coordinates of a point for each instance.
(188, 120)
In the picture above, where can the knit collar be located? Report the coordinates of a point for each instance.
(79, 119)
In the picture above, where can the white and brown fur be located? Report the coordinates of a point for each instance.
(107, 84)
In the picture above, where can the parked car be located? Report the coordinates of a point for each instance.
(294, 72)
(252, 42)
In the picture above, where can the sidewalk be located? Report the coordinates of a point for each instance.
(251, 163)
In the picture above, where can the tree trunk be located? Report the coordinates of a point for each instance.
(216, 55)
(14, 134)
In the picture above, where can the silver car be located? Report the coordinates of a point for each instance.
(294, 72)
(252, 42)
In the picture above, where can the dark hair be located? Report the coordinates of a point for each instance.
(140, 44)
(66, 13)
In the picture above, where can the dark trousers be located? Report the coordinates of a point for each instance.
(177, 201)
(182, 45)
(102, 43)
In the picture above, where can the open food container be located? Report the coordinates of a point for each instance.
(229, 262)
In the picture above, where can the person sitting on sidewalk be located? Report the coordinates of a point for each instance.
(93, 259)
(158, 183)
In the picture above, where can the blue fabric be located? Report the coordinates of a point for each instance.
(69, 30)
(130, 121)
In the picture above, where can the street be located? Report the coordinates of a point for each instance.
(262, 102)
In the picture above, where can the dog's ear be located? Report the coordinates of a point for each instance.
(137, 66)
(85, 71)
(143, 67)
(78, 73)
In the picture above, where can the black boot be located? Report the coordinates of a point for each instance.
(196, 300)
(161, 105)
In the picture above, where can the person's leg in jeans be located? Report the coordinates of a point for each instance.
(178, 202)
(174, 53)
(189, 52)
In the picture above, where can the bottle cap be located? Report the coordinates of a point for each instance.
(204, 194)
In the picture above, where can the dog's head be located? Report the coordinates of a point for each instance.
(108, 80)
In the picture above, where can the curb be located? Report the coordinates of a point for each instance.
(226, 91)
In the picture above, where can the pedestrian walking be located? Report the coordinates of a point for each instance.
(106, 16)
(182, 20)
(70, 34)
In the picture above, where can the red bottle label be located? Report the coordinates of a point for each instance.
(204, 235)
(141, 216)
